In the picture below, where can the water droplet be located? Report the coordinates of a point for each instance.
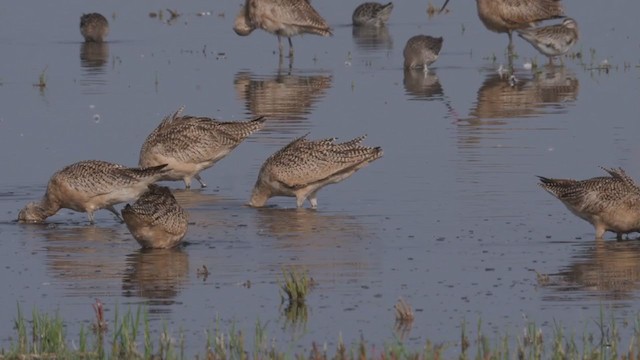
(96, 118)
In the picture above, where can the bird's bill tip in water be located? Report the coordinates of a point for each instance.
(443, 6)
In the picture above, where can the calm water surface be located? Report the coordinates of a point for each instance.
(450, 219)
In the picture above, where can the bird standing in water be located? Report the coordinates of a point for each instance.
(156, 220)
(421, 51)
(553, 40)
(609, 203)
(371, 14)
(94, 27)
(505, 16)
(191, 144)
(303, 167)
(91, 185)
(282, 18)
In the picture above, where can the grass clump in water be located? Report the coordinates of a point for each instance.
(46, 338)
(295, 285)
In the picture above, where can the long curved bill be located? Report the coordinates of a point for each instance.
(443, 6)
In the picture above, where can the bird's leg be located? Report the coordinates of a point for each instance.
(510, 51)
(300, 200)
(91, 219)
(187, 183)
(313, 199)
(113, 210)
(202, 184)
(510, 62)
(279, 46)
(290, 48)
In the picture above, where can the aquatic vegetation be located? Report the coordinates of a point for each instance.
(101, 324)
(44, 337)
(42, 79)
(404, 312)
(202, 272)
(295, 285)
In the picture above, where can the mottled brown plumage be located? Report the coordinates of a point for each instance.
(282, 18)
(609, 203)
(190, 144)
(91, 185)
(156, 220)
(504, 16)
(94, 27)
(553, 40)
(303, 167)
(421, 51)
(371, 14)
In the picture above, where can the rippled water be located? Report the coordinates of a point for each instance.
(450, 219)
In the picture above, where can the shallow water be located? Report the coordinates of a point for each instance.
(450, 219)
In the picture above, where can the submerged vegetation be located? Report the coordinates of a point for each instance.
(42, 79)
(44, 337)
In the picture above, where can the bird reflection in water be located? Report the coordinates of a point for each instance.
(94, 56)
(372, 38)
(85, 258)
(328, 245)
(302, 227)
(422, 85)
(157, 275)
(550, 90)
(608, 269)
(286, 99)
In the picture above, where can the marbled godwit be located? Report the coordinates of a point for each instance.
(303, 167)
(504, 16)
(94, 27)
(156, 220)
(609, 203)
(91, 185)
(553, 40)
(421, 51)
(281, 18)
(190, 144)
(371, 14)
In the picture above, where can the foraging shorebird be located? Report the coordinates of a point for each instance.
(190, 144)
(281, 18)
(156, 220)
(94, 27)
(91, 185)
(371, 14)
(421, 51)
(553, 40)
(609, 203)
(505, 16)
(303, 167)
